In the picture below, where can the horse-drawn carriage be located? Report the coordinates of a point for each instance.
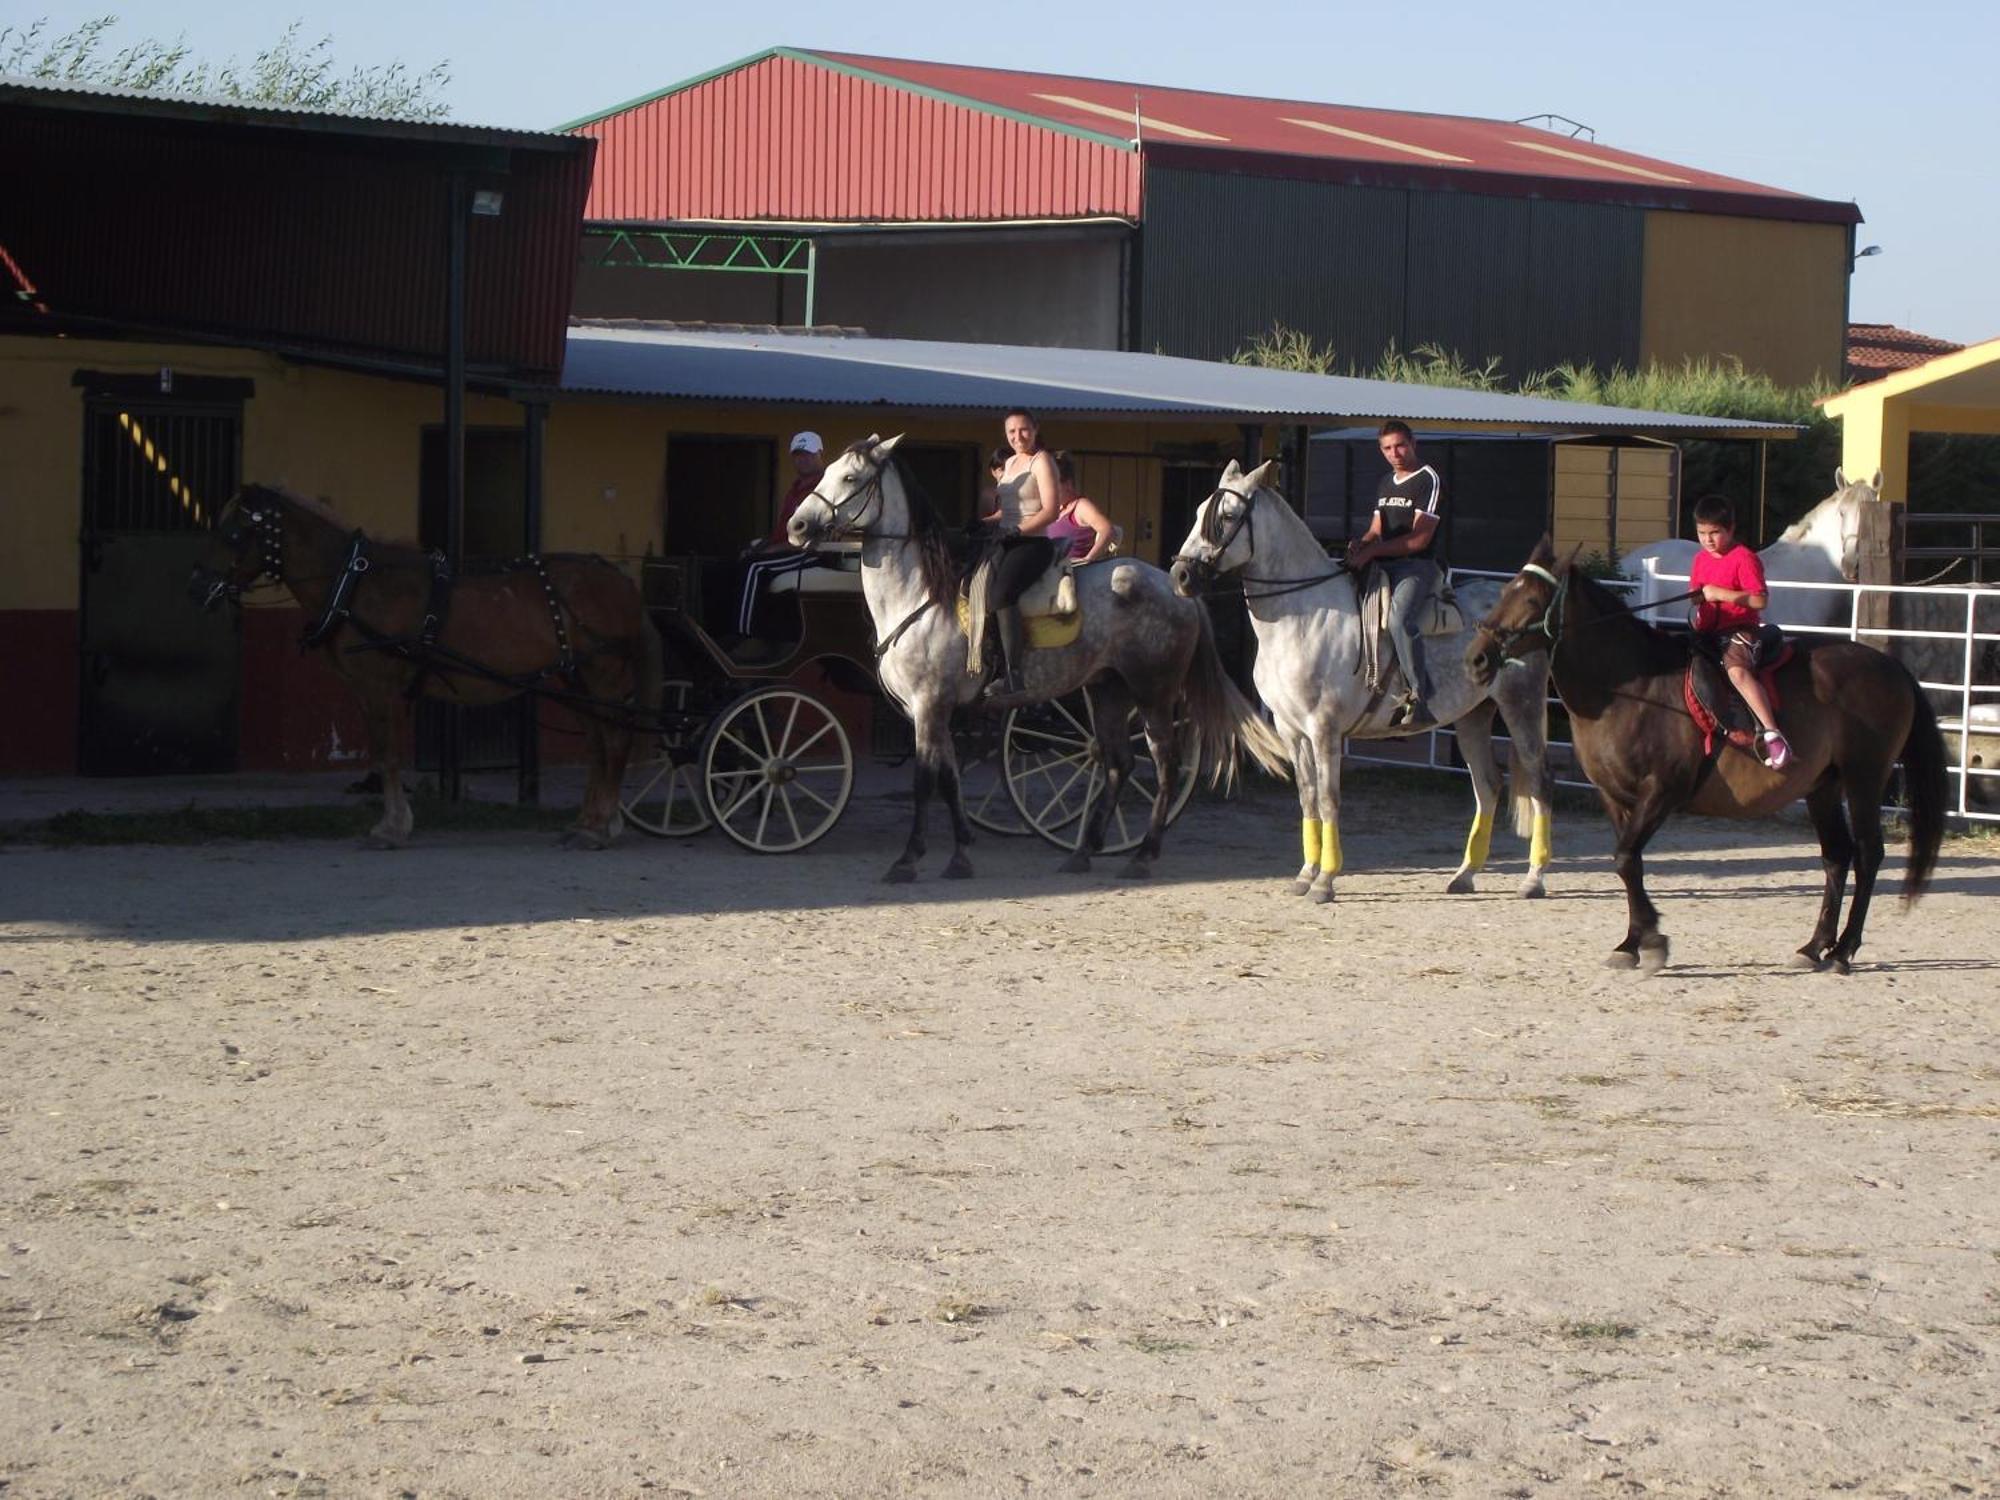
(749, 743)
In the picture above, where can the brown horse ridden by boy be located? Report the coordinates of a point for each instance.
(1851, 713)
(395, 625)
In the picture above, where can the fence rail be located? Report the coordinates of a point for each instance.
(1975, 767)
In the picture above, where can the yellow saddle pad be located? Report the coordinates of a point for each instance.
(1044, 631)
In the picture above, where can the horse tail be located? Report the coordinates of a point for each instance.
(1222, 719)
(1925, 786)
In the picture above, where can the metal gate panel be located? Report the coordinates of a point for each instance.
(159, 677)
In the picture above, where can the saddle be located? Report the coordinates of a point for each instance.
(1712, 700)
(1049, 609)
(1440, 616)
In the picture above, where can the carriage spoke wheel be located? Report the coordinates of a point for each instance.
(1055, 776)
(777, 770)
(982, 779)
(662, 794)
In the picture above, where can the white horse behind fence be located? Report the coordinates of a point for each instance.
(1820, 549)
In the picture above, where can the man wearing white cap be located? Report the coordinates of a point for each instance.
(772, 555)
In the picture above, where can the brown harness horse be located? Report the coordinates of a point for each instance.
(395, 625)
(1849, 711)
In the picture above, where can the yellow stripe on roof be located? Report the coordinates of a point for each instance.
(1598, 161)
(1111, 112)
(1377, 140)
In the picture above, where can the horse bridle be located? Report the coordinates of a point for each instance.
(269, 531)
(1205, 570)
(842, 522)
(1549, 626)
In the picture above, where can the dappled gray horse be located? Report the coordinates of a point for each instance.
(1307, 616)
(1140, 646)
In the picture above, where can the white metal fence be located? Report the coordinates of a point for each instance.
(1957, 644)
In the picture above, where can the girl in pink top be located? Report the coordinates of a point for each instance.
(1080, 529)
(1730, 577)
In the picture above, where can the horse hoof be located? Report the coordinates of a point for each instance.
(1652, 960)
(1137, 869)
(1532, 889)
(900, 875)
(1842, 965)
(1461, 884)
(1300, 887)
(1322, 895)
(588, 840)
(382, 841)
(960, 868)
(1805, 958)
(1077, 864)
(1620, 959)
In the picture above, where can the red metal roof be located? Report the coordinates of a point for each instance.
(844, 136)
(1875, 349)
(788, 138)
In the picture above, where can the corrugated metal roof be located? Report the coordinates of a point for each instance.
(790, 139)
(919, 376)
(805, 135)
(102, 98)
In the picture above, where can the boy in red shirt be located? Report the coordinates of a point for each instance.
(1730, 577)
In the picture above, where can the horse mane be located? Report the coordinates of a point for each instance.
(1659, 651)
(935, 563)
(1800, 529)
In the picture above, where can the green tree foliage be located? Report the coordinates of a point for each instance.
(289, 71)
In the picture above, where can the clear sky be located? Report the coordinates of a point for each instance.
(1890, 105)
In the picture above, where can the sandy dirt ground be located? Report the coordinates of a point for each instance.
(483, 1169)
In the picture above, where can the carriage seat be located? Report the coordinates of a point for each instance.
(816, 581)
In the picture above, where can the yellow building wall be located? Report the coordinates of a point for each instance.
(1770, 293)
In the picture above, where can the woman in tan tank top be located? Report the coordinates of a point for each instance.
(1029, 497)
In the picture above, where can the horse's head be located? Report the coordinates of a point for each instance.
(248, 544)
(1527, 616)
(848, 498)
(1224, 535)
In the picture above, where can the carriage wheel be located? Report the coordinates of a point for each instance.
(776, 769)
(1055, 777)
(982, 778)
(663, 793)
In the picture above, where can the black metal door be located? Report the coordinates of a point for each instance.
(159, 676)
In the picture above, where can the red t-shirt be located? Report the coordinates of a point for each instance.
(1738, 568)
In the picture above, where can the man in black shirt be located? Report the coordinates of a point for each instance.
(1401, 538)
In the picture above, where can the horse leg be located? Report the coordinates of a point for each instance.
(1165, 747)
(1836, 856)
(1864, 811)
(923, 782)
(945, 755)
(1525, 710)
(596, 821)
(1645, 946)
(1326, 814)
(382, 713)
(1475, 744)
(1111, 733)
(1305, 768)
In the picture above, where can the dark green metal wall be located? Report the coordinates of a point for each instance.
(1536, 283)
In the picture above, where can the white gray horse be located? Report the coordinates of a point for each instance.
(1820, 547)
(1140, 646)
(1306, 612)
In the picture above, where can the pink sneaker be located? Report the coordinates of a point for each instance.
(1777, 754)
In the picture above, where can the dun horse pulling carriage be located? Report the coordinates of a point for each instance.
(719, 739)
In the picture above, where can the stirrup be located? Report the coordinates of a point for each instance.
(1005, 685)
(1405, 712)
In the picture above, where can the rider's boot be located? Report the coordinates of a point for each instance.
(1013, 651)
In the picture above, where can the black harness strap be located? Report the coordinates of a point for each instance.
(896, 635)
(340, 602)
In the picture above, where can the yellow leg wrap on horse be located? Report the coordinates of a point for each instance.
(1310, 828)
(1538, 843)
(1479, 841)
(1329, 848)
